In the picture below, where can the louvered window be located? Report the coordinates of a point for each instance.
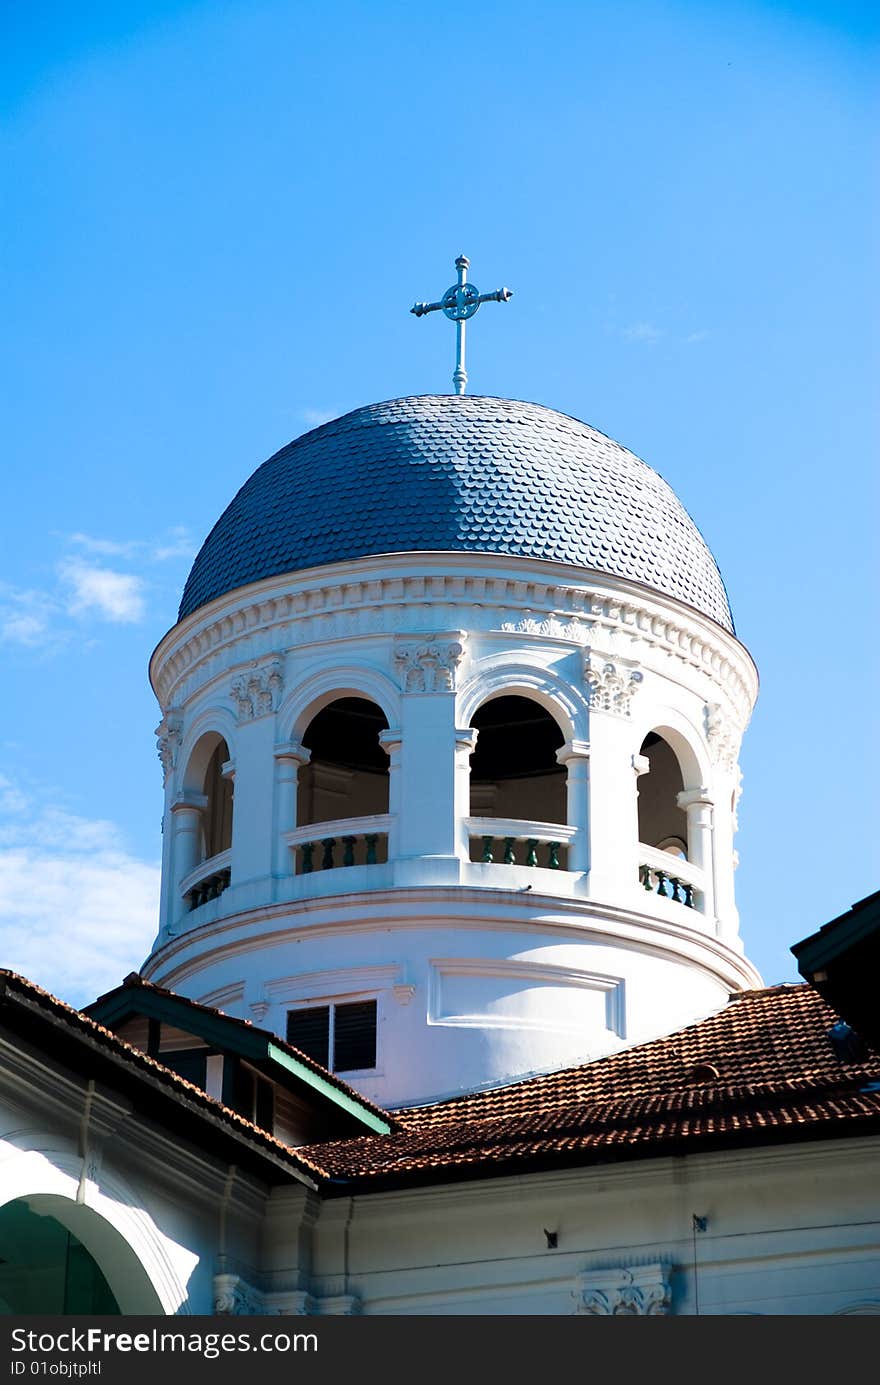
(309, 1031)
(348, 1031)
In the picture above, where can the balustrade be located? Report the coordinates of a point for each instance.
(207, 881)
(343, 842)
(670, 877)
(510, 842)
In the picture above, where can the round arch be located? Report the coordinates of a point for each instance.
(145, 1270)
(684, 739)
(558, 698)
(199, 743)
(317, 692)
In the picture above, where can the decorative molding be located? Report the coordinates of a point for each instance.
(258, 693)
(169, 735)
(721, 735)
(642, 1291)
(403, 992)
(610, 686)
(233, 1297)
(340, 610)
(340, 1305)
(428, 663)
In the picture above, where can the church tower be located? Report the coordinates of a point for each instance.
(451, 716)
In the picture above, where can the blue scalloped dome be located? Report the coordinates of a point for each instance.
(468, 474)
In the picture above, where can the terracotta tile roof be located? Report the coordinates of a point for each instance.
(134, 981)
(140, 1063)
(762, 1069)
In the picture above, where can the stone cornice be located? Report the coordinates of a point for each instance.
(396, 595)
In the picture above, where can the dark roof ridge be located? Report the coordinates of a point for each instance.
(129, 1052)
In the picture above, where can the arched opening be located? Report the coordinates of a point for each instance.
(516, 778)
(203, 822)
(346, 780)
(674, 844)
(60, 1257)
(662, 823)
(218, 814)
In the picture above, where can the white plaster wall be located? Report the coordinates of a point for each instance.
(792, 1230)
(463, 999)
(150, 1197)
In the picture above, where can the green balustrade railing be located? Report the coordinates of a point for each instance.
(667, 885)
(210, 888)
(527, 851)
(328, 853)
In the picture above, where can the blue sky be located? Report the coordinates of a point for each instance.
(216, 218)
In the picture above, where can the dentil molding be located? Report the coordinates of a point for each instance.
(342, 610)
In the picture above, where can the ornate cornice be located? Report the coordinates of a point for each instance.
(639, 1292)
(605, 619)
(428, 663)
(258, 693)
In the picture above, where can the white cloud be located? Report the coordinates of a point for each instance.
(25, 615)
(106, 548)
(647, 332)
(77, 910)
(115, 596)
(693, 337)
(178, 543)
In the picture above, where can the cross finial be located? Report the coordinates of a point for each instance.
(459, 303)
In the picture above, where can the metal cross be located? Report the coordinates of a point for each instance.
(459, 303)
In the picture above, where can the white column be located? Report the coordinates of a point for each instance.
(288, 759)
(699, 806)
(186, 811)
(465, 745)
(575, 755)
(612, 815)
(391, 741)
(253, 812)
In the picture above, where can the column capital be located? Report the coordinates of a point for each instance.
(466, 738)
(573, 750)
(390, 740)
(689, 798)
(292, 750)
(641, 764)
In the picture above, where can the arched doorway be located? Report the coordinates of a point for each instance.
(57, 1256)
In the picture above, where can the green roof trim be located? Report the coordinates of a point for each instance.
(237, 1036)
(326, 1089)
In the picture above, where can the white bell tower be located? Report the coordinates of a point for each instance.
(450, 730)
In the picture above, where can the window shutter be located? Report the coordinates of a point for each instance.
(309, 1031)
(354, 1036)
